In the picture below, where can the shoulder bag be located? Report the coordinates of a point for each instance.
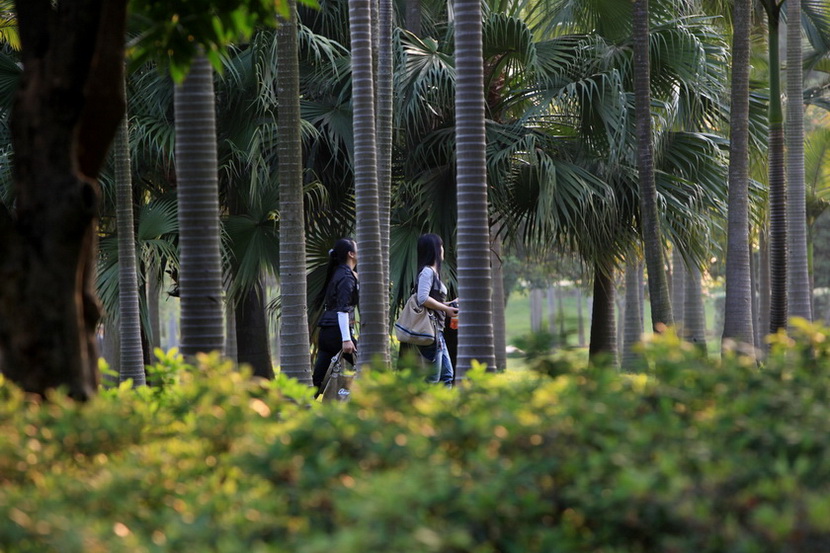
(414, 325)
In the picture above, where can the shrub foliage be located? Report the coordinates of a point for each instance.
(691, 456)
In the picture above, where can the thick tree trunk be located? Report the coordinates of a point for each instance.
(374, 309)
(603, 348)
(536, 309)
(252, 333)
(737, 325)
(66, 112)
(295, 358)
(475, 331)
(200, 263)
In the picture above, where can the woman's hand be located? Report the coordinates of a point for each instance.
(451, 310)
(349, 347)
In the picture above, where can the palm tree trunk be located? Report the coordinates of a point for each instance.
(550, 296)
(295, 359)
(131, 366)
(374, 330)
(499, 323)
(580, 317)
(694, 327)
(603, 346)
(153, 293)
(536, 310)
(754, 272)
(633, 316)
(763, 287)
(231, 350)
(413, 17)
(200, 263)
(475, 331)
(678, 288)
(252, 333)
(737, 324)
(661, 309)
(798, 274)
(384, 144)
(777, 183)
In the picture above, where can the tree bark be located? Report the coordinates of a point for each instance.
(603, 347)
(633, 315)
(798, 275)
(252, 333)
(66, 112)
(694, 328)
(295, 359)
(737, 325)
(475, 330)
(200, 263)
(678, 288)
(661, 309)
(499, 323)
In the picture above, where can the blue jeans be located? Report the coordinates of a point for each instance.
(437, 354)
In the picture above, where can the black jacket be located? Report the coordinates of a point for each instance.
(341, 295)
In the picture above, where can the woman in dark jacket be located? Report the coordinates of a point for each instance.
(340, 298)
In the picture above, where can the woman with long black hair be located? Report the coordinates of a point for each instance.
(432, 293)
(339, 297)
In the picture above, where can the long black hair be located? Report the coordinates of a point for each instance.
(337, 256)
(429, 252)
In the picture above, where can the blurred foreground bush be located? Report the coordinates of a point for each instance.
(693, 457)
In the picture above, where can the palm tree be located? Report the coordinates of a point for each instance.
(374, 330)
(475, 331)
(131, 362)
(798, 276)
(738, 302)
(661, 309)
(294, 355)
(633, 314)
(200, 273)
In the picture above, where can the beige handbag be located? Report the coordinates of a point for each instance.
(337, 383)
(414, 325)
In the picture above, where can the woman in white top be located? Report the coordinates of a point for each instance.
(432, 293)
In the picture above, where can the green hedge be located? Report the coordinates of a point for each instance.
(690, 456)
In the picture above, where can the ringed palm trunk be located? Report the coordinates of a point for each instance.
(499, 302)
(694, 327)
(475, 329)
(384, 139)
(295, 358)
(777, 181)
(678, 288)
(252, 332)
(200, 269)
(131, 365)
(603, 346)
(798, 274)
(737, 324)
(633, 314)
(374, 331)
(661, 309)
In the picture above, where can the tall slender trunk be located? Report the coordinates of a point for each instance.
(231, 349)
(374, 328)
(580, 317)
(200, 262)
(754, 273)
(295, 358)
(798, 274)
(737, 324)
(603, 346)
(536, 309)
(499, 302)
(153, 293)
(661, 309)
(131, 366)
(763, 287)
(475, 333)
(550, 296)
(678, 288)
(777, 181)
(694, 327)
(384, 143)
(633, 315)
